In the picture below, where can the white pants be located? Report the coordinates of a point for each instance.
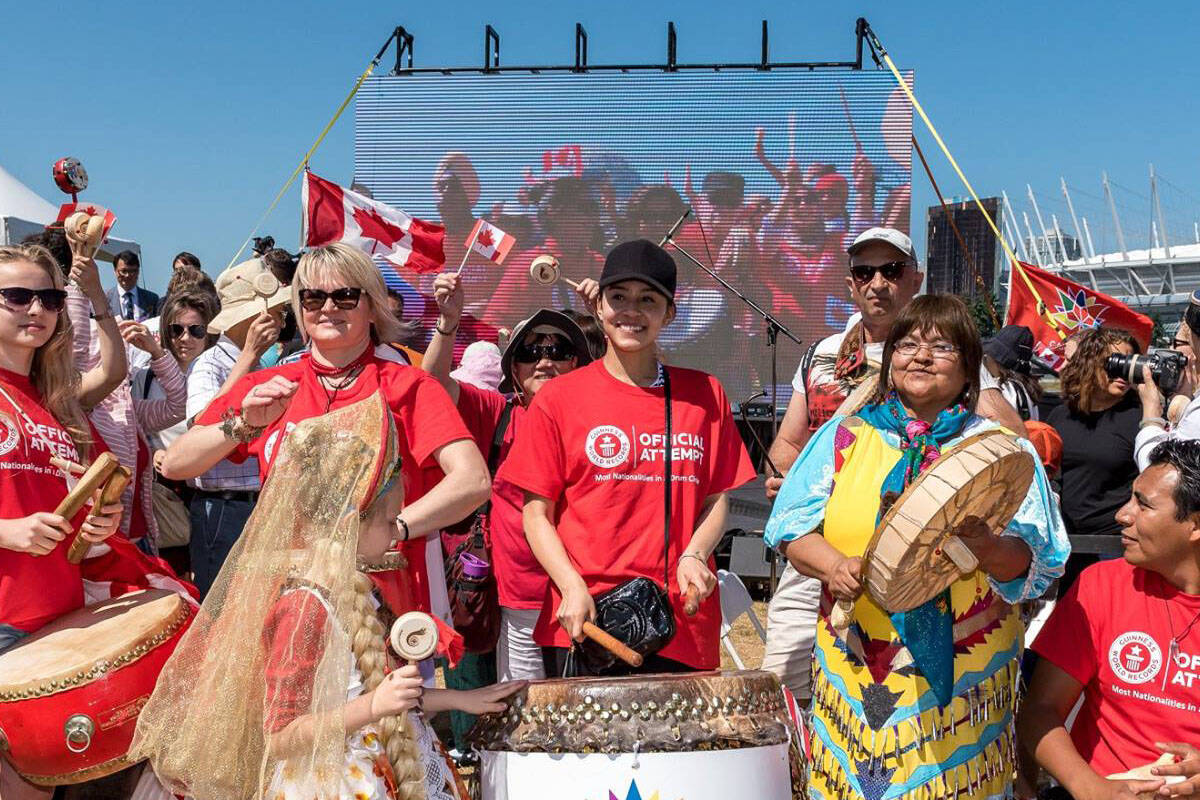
(518, 657)
(791, 631)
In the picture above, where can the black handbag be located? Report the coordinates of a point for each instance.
(638, 612)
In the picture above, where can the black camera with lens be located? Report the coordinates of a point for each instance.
(1166, 368)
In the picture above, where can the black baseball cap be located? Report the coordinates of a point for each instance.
(640, 260)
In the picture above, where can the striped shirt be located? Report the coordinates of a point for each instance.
(208, 373)
(119, 418)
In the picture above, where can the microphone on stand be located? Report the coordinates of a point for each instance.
(675, 228)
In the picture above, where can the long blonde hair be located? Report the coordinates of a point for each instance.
(357, 270)
(367, 641)
(53, 373)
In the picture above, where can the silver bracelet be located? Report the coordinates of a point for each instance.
(696, 556)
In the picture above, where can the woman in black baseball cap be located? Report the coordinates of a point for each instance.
(598, 449)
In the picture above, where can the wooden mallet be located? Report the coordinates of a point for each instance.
(113, 488)
(105, 474)
(612, 644)
(544, 270)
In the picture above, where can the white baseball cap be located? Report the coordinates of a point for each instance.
(891, 236)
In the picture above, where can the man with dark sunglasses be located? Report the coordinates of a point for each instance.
(881, 277)
(542, 347)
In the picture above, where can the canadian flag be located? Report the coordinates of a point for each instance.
(336, 214)
(92, 210)
(490, 242)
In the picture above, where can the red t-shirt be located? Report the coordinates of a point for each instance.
(425, 419)
(595, 446)
(519, 577)
(34, 590)
(1112, 632)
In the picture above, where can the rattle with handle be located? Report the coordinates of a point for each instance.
(691, 601)
(111, 493)
(414, 636)
(544, 270)
(85, 233)
(612, 644)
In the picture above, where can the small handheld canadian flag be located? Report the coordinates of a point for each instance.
(489, 241)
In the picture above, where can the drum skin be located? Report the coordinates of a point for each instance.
(986, 476)
(570, 736)
(49, 679)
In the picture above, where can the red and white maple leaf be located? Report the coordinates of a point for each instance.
(376, 227)
(484, 239)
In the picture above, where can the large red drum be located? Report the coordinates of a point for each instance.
(70, 694)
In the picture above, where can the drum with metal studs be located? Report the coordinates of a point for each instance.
(700, 736)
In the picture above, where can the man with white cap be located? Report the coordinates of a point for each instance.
(252, 305)
(883, 276)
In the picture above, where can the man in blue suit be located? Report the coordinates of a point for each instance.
(127, 299)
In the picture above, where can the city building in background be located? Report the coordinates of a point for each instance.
(947, 267)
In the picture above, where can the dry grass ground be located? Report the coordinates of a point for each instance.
(745, 640)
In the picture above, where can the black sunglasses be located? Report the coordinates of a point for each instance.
(18, 297)
(891, 271)
(345, 298)
(195, 331)
(533, 353)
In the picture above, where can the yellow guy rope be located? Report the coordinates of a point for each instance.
(304, 162)
(1012, 257)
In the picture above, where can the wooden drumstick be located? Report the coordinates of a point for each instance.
(544, 270)
(414, 636)
(93, 478)
(612, 644)
(111, 493)
(691, 602)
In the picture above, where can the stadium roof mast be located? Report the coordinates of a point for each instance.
(1037, 212)
(1088, 234)
(1112, 207)
(1157, 211)
(1010, 226)
(1088, 252)
(1037, 256)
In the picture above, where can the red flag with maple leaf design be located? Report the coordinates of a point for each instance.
(333, 213)
(490, 242)
(1054, 308)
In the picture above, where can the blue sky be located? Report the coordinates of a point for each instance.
(189, 117)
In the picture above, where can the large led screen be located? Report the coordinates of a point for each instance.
(782, 168)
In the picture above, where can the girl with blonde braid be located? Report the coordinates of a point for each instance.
(281, 689)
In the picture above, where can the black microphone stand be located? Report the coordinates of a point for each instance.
(774, 326)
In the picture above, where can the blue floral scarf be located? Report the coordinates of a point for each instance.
(927, 630)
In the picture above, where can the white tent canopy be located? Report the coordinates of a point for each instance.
(24, 212)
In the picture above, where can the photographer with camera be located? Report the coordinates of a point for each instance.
(1098, 421)
(1175, 375)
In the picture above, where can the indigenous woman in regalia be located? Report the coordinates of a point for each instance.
(916, 704)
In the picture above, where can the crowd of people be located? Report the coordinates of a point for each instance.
(305, 476)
